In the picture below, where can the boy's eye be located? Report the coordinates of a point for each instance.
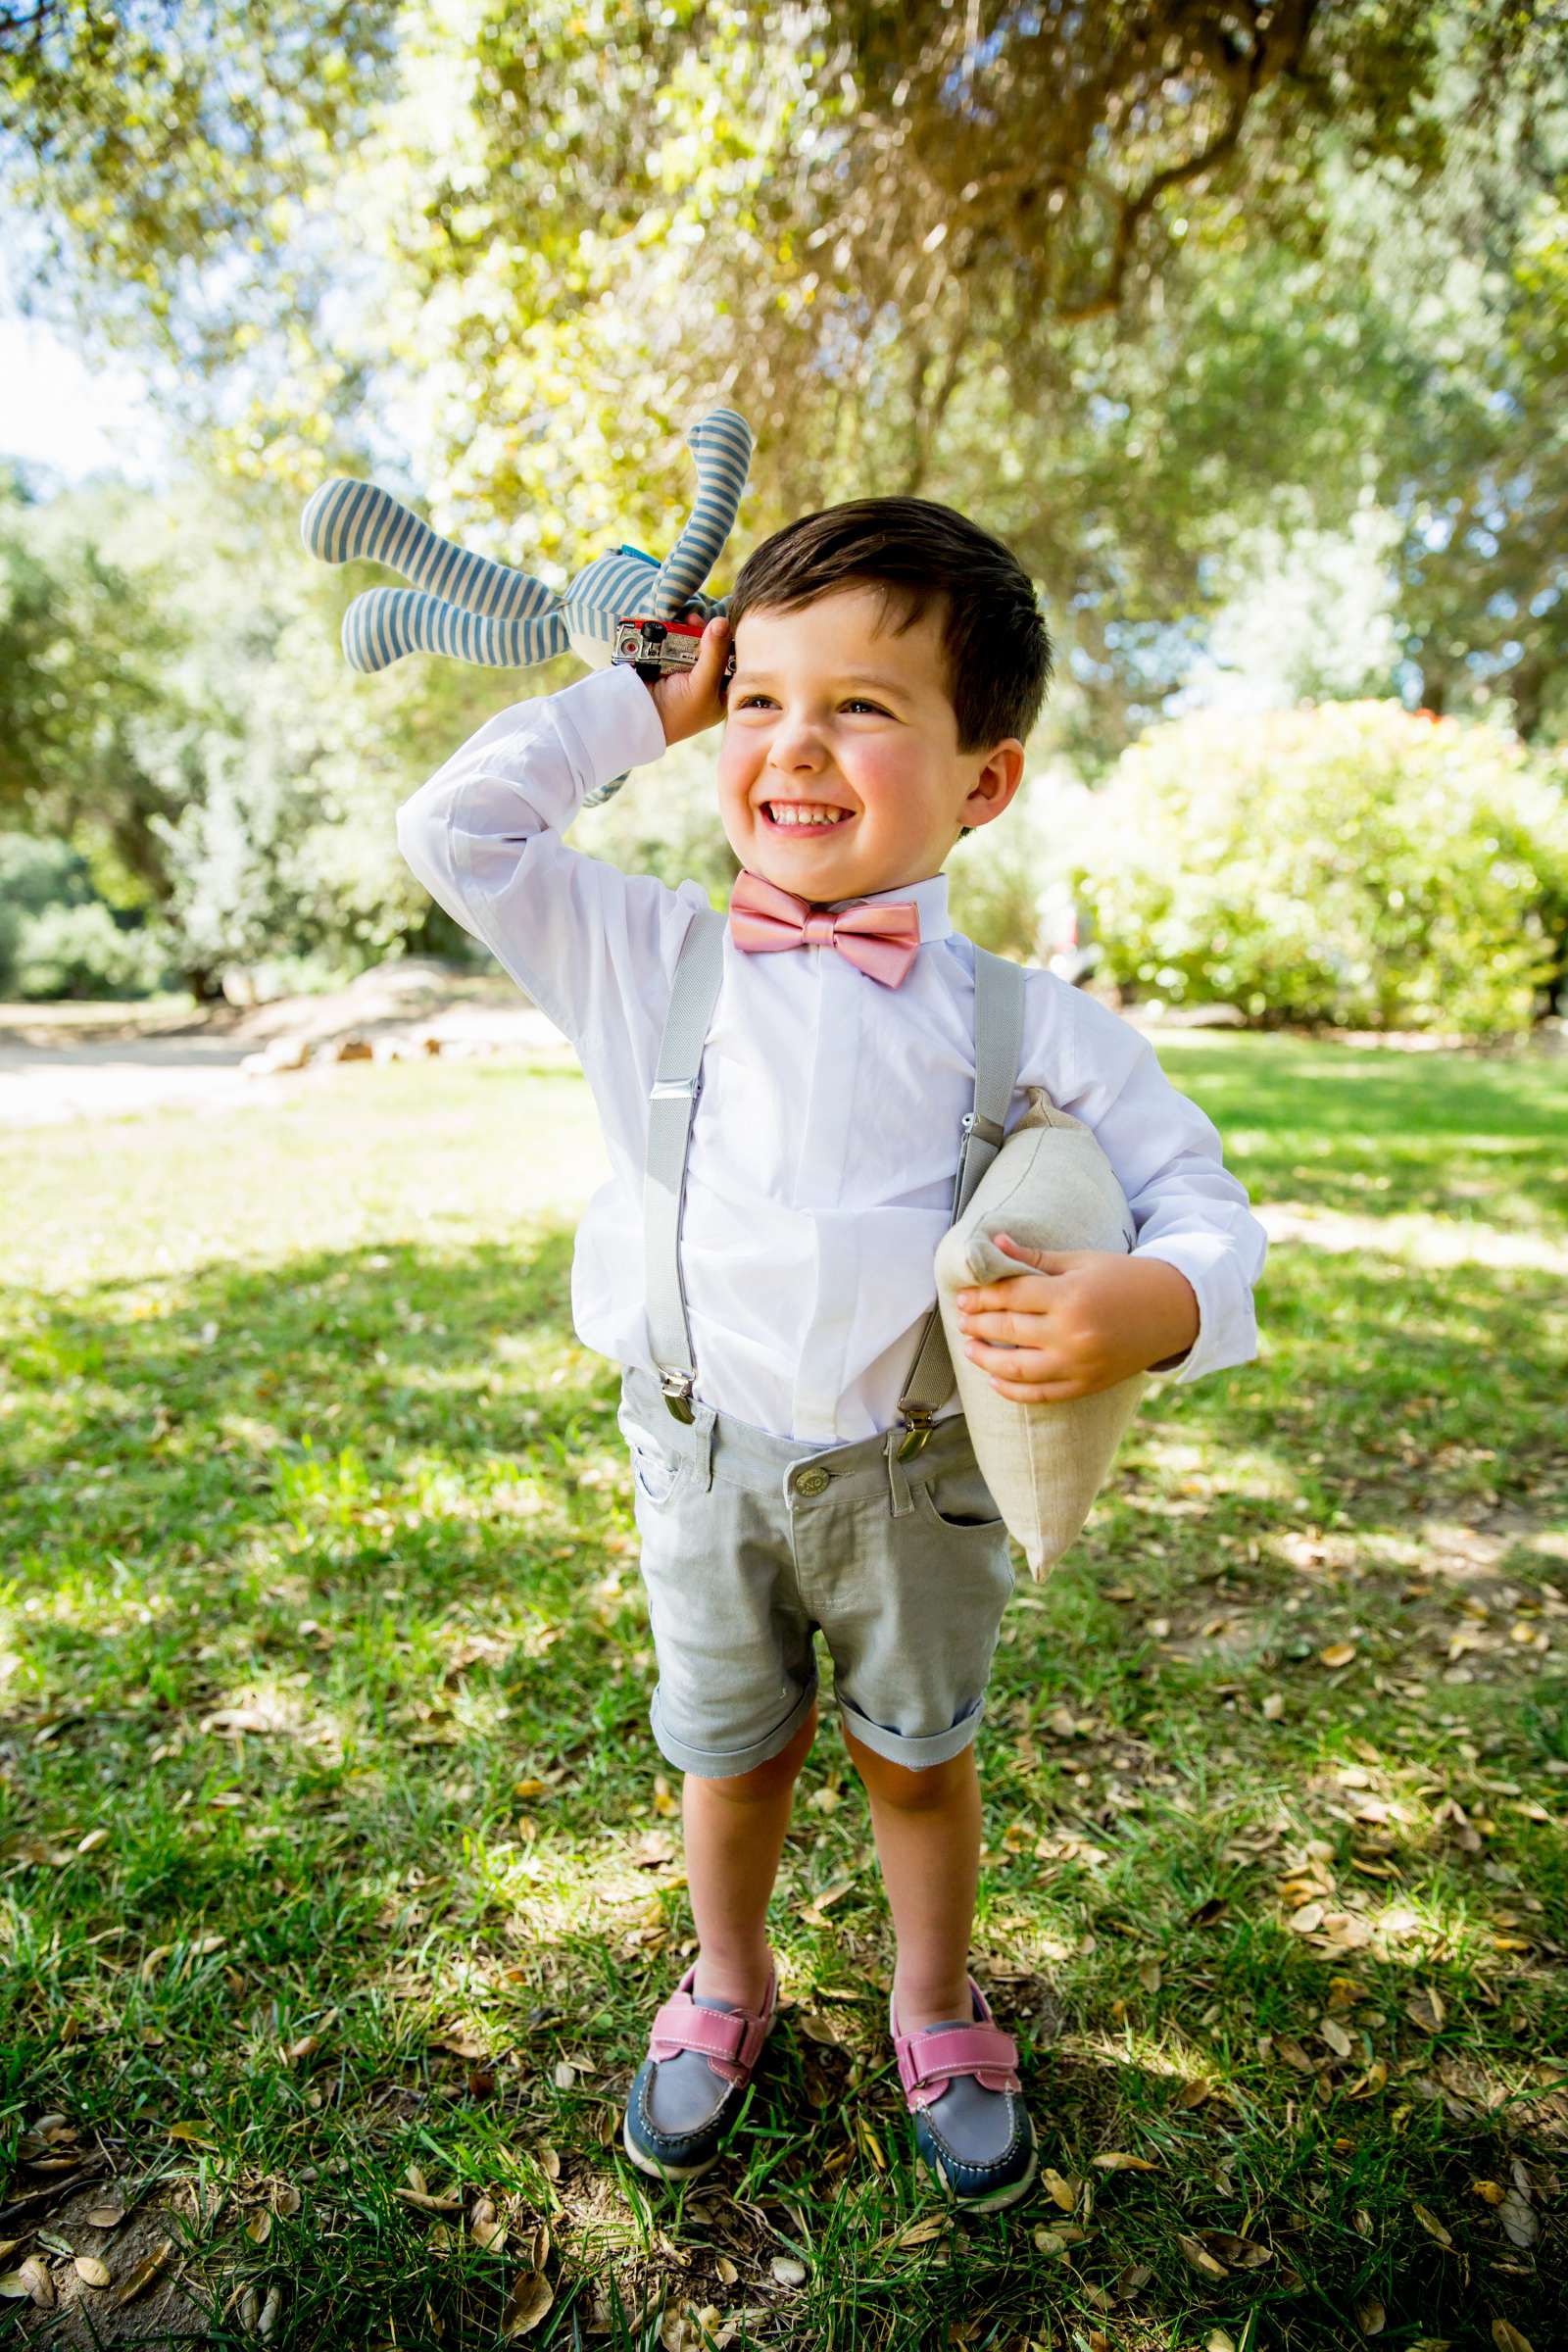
(855, 703)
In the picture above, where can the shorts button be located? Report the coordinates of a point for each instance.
(812, 1482)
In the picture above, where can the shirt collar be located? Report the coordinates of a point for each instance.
(929, 895)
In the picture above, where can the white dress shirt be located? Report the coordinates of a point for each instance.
(819, 1177)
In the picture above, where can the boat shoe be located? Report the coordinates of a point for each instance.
(689, 2090)
(961, 2081)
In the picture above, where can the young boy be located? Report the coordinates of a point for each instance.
(891, 661)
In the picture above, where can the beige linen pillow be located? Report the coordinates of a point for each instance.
(1050, 1187)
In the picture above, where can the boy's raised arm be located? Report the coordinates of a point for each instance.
(584, 940)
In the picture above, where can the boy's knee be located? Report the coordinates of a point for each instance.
(913, 1789)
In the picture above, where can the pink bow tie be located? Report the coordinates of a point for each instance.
(881, 938)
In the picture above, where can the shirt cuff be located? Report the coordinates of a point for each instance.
(1209, 1262)
(611, 721)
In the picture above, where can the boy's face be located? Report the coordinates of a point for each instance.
(828, 712)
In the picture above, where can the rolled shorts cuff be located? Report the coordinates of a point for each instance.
(901, 1747)
(714, 1764)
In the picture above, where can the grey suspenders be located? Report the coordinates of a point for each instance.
(677, 1081)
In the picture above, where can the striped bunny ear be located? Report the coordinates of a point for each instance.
(473, 608)
(384, 623)
(721, 443)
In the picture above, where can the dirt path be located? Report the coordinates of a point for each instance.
(92, 1061)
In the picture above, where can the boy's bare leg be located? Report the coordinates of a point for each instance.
(734, 1837)
(927, 1827)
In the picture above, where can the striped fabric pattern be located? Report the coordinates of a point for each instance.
(384, 623)
(348, 520)
(721, 443)
(475, 609)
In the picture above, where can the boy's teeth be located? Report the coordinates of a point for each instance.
(782, 815)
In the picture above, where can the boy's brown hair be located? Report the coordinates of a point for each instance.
(994, 637)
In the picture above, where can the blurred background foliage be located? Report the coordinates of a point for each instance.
(1245, 326)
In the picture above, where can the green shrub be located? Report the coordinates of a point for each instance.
(1354, 863)
(81, 952)
(35, 872)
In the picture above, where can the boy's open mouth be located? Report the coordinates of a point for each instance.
(804, 816)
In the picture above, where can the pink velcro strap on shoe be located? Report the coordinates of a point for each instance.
(682, 2026)
(931, 2056)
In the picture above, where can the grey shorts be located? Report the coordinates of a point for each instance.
(752, 1544)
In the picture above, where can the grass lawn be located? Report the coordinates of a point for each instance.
(339, 1876)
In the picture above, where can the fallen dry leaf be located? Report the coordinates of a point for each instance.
(530, 2298)
(1061, 2192)
(1507, 2338)
(1243, 2253)
(1370, 2316)
(1432, 2225)
(788, 2270)
(914, 2233)
(259, 2228)
(35, 2276)
(271, 2311)
(146, 2271)
(1519, 2223)
(105, 2217)
(727, 2273)
(1201, 2260)
(1426, 2011)
(1338, 1653)
(90, 2271)
(486, 2226)
(1333, 2033)
(1117, 2162)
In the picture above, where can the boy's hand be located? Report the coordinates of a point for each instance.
(1083, 1321)
(688, 701)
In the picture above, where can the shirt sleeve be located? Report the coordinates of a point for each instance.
(583, 939)
(1187, 1207)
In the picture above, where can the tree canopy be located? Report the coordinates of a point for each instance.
(1245, 326)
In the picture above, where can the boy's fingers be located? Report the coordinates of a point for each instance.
(1044, 1261)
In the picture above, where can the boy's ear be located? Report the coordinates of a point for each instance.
(996, 784)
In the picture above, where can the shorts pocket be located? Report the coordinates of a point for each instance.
(656, 1475)
(958, 1501)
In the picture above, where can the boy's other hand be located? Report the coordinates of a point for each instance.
(1081, 1321)
(688, 701)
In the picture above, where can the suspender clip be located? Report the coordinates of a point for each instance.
(678, 1387)
(919, 1420)
(986, 1130)
(675, 1090)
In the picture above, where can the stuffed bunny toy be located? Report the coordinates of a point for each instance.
(467, 606)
